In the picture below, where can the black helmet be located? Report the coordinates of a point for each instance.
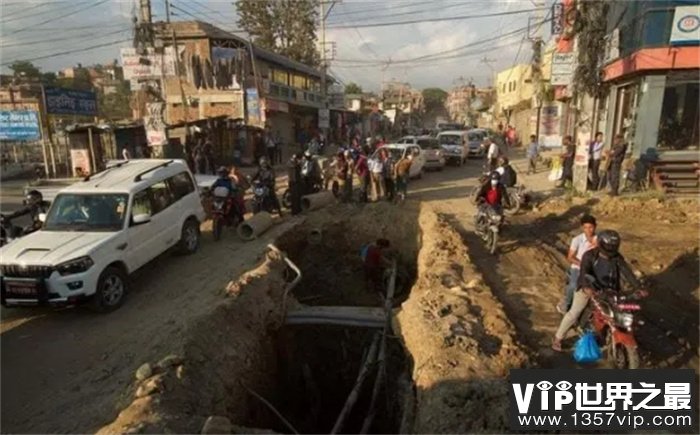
(495, 176)
(34, 197)
(609, 242)
(223, 170)
(263, 161)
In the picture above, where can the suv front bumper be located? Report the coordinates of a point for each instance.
(57, 289)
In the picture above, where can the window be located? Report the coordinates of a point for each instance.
(657, 27)
(86, 212)
(279, 76)
(431, 144)
(162, 196)
(142, 203)
(299, 81)
(181, 185)
(678, 126)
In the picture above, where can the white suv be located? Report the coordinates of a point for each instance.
(100, 230)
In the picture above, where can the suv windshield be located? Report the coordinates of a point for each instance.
(473, 137)
(430, 144)
(450, 139)
(396, 153)
(88, 212)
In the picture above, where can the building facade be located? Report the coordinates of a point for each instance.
(653, 69)
(514, 92)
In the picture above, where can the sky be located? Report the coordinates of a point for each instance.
(427, 52)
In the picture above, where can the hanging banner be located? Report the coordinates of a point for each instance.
(154, 124)
(19, 125)
(557, 18)
(149, 65)
(324, 118)
(253, 106)
(563, 67)
(80, 162)
(60, 101)
(686, 25)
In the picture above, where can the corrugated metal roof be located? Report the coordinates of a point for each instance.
(199, 29)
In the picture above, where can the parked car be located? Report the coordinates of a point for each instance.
(434, 154)
(399, 151)
(476, 139)
(100, 230)
(454, 144)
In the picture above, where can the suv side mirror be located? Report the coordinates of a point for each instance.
(142, 218)
(42, 217)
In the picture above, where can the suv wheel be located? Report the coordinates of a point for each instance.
(189, 240)
(111, 289)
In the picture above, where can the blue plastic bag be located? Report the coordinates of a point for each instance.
(363, 252)
(587, 350)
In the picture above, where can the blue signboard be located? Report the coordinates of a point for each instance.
(253, 101)
(20, 125)
(60, 101)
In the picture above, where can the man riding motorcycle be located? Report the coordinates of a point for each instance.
(266, 176)
(34, 205)
(607, 266)
(224, 180)
(309, 173)
(492, 194)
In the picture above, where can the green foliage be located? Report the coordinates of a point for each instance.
(115, 106)
(591, 25)
(353, 88)
(434, 98)
(22, 68)
(287, 27)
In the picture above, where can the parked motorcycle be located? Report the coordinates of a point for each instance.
(262, 199)
(490, 227)
(224, 211)
(611, 317)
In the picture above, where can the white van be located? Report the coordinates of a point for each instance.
(100, 230)
(455, 143)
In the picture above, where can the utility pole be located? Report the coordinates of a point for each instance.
(167, 11)
(485, 60)
(536, 64)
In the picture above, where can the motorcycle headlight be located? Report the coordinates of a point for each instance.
(626, 320)
(78, 265)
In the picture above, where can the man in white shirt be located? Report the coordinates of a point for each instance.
(492, 153)
(376, 168)
(595, 153)
(579, 246)
(126, 155)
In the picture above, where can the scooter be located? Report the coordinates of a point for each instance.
(224, 212)
(611, 317)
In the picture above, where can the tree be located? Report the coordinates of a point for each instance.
(434, 98)
(591, 25)
(353, 88)
(24, 69)
(287, 27)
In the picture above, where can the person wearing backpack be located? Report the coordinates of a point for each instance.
(508, 176)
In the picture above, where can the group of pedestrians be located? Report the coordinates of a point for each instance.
(615, 156)
(380, 176)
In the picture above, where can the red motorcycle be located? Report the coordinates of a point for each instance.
(224, 211)
(611, 317)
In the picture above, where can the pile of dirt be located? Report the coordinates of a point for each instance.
(225, 352)
(459, 338)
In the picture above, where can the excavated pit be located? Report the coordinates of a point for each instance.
(244, 353)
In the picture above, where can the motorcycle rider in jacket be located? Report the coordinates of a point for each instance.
(34, 205)
(492, 194)
(607, 266)
(266, 175)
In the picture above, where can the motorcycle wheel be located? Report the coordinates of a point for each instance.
(625, 357)
(217, 228)
(514, 204)
(287, 199)
(335, 188)
(256, 207)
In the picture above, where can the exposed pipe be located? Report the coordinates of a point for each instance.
(367, 362)
(381, 369)
(294, 282)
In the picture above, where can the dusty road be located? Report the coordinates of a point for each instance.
(68, 370)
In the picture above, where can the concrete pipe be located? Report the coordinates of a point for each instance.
(315, 236)
(317, 200)
(256, 225)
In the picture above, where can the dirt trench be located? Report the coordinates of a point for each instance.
(659, 241)
(448, 354)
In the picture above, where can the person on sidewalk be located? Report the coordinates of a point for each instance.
(362, 171)
(616, 156)
(388, 174)
(595, 152)
(376, 167)
(580, 244)
(403, 171)
(567, 174)
(491, 153)
(533, 152)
